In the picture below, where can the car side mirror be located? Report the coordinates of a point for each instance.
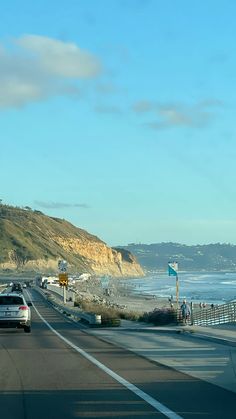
(29, 304)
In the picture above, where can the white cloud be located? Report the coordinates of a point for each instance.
(41, 67)
(61, 58)
(19, 92)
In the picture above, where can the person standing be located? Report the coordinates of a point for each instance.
(185, 311)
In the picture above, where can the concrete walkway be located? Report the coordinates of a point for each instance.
(224, 333)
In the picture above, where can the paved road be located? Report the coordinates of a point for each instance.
(73, 374)
(202, 356)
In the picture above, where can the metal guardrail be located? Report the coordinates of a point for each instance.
(217, 314)
(91, 318)
(59, 290)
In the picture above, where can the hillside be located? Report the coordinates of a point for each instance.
(210, 257)
(30, 240)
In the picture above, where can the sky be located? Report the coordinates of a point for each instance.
(119, 116)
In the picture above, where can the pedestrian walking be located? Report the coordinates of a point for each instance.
(185, 311)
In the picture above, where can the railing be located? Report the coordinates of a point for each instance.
(220, 314)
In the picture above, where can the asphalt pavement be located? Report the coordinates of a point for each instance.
(207, 353)
(63, 371)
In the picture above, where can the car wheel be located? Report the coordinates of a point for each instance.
(27, 329)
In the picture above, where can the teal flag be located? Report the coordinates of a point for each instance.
(173, 268)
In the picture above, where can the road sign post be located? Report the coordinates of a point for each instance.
(64, 295)
(63, 277)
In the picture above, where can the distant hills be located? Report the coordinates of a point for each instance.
(32, 241)
(210, 257)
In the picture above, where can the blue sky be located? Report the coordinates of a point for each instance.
(119, 116)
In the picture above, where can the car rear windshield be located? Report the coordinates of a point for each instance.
(10, 300)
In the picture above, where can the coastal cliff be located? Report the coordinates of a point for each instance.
(30, 240)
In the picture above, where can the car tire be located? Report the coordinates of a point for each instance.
(27, 329)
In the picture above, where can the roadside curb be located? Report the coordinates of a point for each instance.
(215, 339)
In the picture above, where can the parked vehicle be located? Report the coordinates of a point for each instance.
(15, 312)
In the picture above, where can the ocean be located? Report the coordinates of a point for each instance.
(208, 287)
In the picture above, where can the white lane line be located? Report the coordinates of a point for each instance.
(150, 400)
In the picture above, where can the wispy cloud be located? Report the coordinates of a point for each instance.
(59, 205)
(177, 115)
(106, 88)
(37, 67)
(143, 106)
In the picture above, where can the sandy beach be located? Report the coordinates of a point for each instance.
(119, 295)
(140, 303)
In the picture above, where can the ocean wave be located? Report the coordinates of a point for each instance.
(212, 288)
(228, 282)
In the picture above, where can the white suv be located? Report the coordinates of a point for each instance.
(15, 312)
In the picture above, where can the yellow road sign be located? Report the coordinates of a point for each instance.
(63, 279)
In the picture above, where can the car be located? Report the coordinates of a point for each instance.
(17, 287)
(15, 312)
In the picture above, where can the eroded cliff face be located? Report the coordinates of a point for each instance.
(30, 240)
(102, 259)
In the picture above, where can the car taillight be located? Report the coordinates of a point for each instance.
(23, 308)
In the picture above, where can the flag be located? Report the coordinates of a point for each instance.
(173, 268)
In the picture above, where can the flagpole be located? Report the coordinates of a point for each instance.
(177, 292)
(173, 271)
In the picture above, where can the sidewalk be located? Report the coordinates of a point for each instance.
(223, 334)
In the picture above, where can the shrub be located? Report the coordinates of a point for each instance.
(130, 315)
(107, 313)
(160, 316)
